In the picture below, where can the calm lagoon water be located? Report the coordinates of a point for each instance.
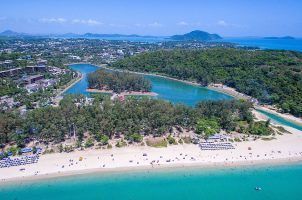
(171, 90)
(167, 89)
(280, 120)
(278, 182)
(81, 86)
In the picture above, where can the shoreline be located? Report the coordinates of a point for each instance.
(132, 93)
(289, 117)
(158, 169)
(75, 81)
(232, 93)
(105, 66)
(281, 148)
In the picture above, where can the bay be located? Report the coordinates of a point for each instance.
(262, 43)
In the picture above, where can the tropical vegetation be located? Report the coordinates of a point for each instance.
(271, 76)
(118, 81)
(134, 118)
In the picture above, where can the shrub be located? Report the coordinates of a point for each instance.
(187, 140)
(121, 143)
(68, 148)
(207, 127)
(89, 143)
(260, 128)
(171, 140)
(135, 137)
(104, 139)
(60, 147)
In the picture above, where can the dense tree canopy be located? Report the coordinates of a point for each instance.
(273, 77)
(104, 119)
(207, 127)
(8, 87)
(118, 81)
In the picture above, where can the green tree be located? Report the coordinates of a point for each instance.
(207, 127)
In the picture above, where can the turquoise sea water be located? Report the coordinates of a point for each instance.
(278, 182)
(281, 44)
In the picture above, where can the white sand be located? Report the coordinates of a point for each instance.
(285, 148)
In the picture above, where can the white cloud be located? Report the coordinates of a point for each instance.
(53, 20)
(60, 20)
(139, 25)
(192, 24)
(118, 25)
(182, 23)
(90, 22)
(155, 24)
(222, 23)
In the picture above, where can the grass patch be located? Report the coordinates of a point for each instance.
(171, 140)
(157, 142)
(186, 140)
(268, 138)
(180, 141)
(282, 129)
(121, 143)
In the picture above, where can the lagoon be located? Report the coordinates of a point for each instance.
(167, 89)
(171, 90)
(277, 119)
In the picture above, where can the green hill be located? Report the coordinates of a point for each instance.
(196, 35)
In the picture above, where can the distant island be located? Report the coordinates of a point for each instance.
(13, 34)
(280, 38)
(196, 35)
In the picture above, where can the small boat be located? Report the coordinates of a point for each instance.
(258, 188)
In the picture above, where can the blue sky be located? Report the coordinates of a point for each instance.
(154, 17)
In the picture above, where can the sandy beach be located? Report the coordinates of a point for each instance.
(283, 149)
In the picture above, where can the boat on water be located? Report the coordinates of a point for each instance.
(258, 188)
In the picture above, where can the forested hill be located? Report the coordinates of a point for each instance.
(196, 35)
(273, 77)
